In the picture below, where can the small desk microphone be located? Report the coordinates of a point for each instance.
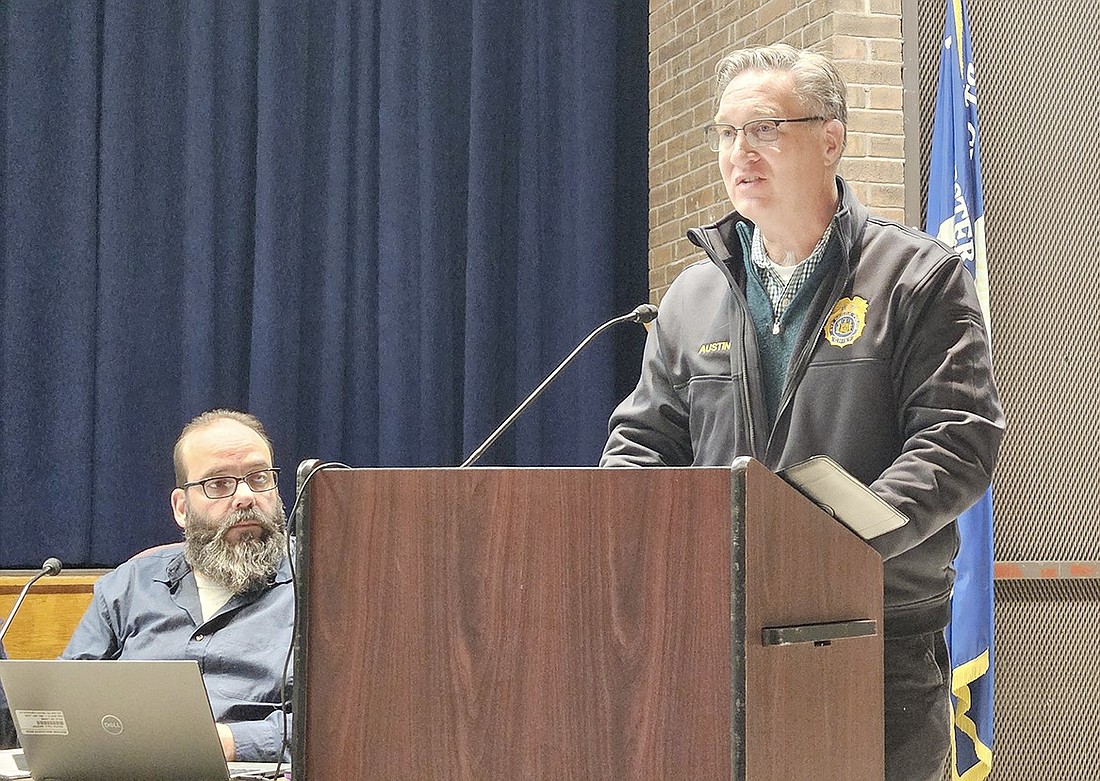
(51, 567)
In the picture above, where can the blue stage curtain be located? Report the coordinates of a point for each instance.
(376, 224)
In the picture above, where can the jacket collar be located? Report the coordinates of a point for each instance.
(721, 242)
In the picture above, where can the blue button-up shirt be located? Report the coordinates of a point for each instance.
(148, 608)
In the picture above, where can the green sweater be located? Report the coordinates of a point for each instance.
(775, 349)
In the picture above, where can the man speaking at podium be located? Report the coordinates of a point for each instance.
(224, 597)
(814, 328)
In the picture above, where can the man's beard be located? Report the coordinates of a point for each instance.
(239, 567)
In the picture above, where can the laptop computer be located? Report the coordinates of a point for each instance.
(109, 720)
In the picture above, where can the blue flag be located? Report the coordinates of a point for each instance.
(956, 215)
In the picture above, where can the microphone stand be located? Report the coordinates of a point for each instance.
(50, 566)
(643, 313)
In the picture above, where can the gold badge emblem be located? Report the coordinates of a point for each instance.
(845, 323)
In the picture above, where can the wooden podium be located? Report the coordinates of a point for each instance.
(703, 623)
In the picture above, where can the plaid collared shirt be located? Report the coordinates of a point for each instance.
(781, 293)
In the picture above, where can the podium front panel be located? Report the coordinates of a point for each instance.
(517, 623)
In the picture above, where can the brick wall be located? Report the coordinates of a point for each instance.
(686, 40)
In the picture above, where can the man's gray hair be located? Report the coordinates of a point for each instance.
(817, 83)
(206, 419)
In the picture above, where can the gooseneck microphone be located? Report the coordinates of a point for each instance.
(51, 567)
(643, 313)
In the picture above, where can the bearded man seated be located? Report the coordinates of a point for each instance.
(224, 597)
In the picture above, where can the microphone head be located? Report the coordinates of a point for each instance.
(644, 313)
(51, 566)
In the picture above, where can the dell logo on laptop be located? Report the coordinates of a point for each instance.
(112, 725)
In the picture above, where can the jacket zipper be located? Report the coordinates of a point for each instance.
(799, 367)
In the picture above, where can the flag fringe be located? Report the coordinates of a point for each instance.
(961, 677)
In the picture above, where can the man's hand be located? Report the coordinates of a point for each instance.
(229, 748)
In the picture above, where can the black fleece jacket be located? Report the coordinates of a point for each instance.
(890, 375)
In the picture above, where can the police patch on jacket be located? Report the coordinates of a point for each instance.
(846, 321)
